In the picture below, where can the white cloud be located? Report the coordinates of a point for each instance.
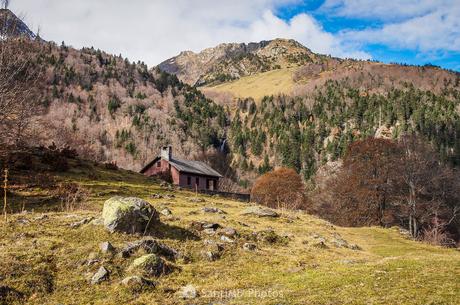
(153, 31)
(383, 10)
(435, 31)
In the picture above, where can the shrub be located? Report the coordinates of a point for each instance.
(71, 195)
(111, 165)
(282, 188)
(55, 160)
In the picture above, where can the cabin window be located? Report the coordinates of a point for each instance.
(189, 180)
(159, 164)
(197, 181)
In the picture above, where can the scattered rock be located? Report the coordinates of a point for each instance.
(339, 242)
(92, 259)
(188, 292)
(209, 231)
(106, 247)
(151, 246)
(320, 243)
(226, 239)
(201, 225)
(97, 222)
(213, 251)
(355, 247)
(41, 217)
(249, 247)
(149, 265)
(23, 221)
(230, 232)
(166, 212)
(137, 283)
(269, 236)
(169, 196)
(81, 222)
(196, 199)
(213, 210)
(260, 211)
(156, 196)
(101, 275)
(128, 215)
(211, 225)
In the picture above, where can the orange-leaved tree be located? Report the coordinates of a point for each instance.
(281, 188)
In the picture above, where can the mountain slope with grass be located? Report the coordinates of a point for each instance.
(49, 256)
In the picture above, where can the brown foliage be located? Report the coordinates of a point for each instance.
(386, 183)
(364, 187)
(281, 188)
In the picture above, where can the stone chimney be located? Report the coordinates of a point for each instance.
(166, 153)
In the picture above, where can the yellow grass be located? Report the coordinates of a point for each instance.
(45, 258)
(257, 86)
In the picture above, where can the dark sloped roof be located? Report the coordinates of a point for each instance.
(146, 167)
(187, 166)
(194, 167)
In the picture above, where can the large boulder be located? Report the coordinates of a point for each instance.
(128, 215)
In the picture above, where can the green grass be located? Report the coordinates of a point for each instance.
(44, 259)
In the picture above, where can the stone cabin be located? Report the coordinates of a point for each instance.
(196, 175)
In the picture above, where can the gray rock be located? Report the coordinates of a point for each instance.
(137, 282)
(166, 212)
(249, 247)
(213, 251)
(201, 225)
(320, 243)
(196, 199)
(188, 292)
(106, 247)
(156, 196)
(260, 211)
(149, 265)
(41, 217)
(128, 215)
(150, 246)
(226, 239)
(211, 225)
(97, 222)
(101, 275)
(339, 242)
(213, 210)
(81, 222)
(209, 231)
(230, 232)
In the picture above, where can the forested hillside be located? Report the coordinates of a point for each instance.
(305, 132)
(110, 109)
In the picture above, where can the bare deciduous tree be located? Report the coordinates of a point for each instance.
(20, 80)
(5, 3)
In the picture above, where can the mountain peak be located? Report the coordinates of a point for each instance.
(13, 27)
(228, 61)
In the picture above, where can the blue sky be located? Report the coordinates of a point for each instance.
(336, 21)
(404, 31)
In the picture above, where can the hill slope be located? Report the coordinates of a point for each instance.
(12, 26)
(299, 259)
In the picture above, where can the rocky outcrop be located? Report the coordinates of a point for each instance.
(229, 61)
(260, 211)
